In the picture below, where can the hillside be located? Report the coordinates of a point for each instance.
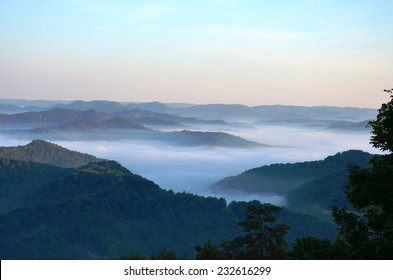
(146, 117)
(238, 112)
(220, 112)
(103, 211)
(322, 192)
(317, 196)
(95, 111)
(150, 118)
(219, 139)
(98, 105)
(91, 125)
(8, 108)
(46, 152)
(18, 178)
(81, 121)
(281, 178)
(48, 118)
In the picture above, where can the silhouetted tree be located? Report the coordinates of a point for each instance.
(263, 239)
(164, 254)
(311, 248)
(382, 127)
(366, 231)
(137, 256)
(208, 252)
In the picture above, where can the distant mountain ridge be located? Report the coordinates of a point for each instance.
(112, 123)
(41, 151)
(186, 125)
(49, 118)
(212, 111)
(70, 124)
(220, 139)
(68, 114)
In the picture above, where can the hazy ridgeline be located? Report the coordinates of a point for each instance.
(192, 149)
(193, 169)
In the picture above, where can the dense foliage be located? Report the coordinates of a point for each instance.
(366, 228)
(19, 178)
(268, 179)
(45, 152)
(103, 211)
(262, 239)
(92, 214)
(100, 210)
(367, 232)
(382, 127)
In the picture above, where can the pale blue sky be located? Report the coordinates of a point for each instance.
(250, 52)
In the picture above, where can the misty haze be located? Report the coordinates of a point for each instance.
(214, 130)
(194, 168)
(188, 172)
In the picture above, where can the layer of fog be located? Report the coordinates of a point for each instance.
(194, 169)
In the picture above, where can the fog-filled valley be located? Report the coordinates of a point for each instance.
(185, 147)
(102, 179)
(195, 130)
(193, 169)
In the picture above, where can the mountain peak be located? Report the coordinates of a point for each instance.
(42, 151)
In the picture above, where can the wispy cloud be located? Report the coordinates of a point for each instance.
(247, 42)
(129, 17)
(154, 10)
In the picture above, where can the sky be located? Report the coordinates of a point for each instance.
(250, 52)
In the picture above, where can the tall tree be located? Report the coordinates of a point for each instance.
(382, 127)
(263, 239)
(311, 248)
(366, 231)
(208, 252)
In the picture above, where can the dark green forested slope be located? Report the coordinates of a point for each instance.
(316, 197)
(281, 178)
(103, 211)
(45, 152)
(18, 178)
(324, 191)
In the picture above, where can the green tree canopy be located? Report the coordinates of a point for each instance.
(263, 239)
(366, 231)
(311, 248)
(208, 252)
(382, 127)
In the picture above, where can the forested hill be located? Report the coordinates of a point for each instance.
(45, 152)
(281, 178)
(309, 187)
(103, 211)
(19, 178)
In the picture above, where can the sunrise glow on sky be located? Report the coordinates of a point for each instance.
(249, 52)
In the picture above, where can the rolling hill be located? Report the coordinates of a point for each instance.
(281, 178)
(45, 152)
(218, 139)
(117, 122)
(309, 187)
(103, 211)
(48, 118)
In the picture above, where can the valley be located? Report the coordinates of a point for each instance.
(94, 156)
